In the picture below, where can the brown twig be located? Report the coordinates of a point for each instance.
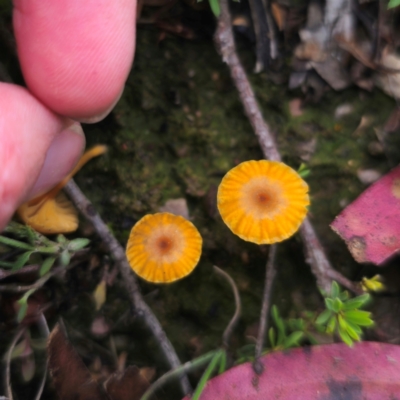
(238, 307)
(270, 272)
(12, 288)
(141, 308)
(319, 263)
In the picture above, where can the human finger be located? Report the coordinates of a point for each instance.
(27, 130)
(76, 55)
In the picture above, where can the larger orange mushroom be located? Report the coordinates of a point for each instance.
(263, 201)
(163, 247)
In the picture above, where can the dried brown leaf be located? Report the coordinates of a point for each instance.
(71, 378)
(129, 385)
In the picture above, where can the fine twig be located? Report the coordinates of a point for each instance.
(142, 310)
(12, 288)
(238, 307)
(44, 328)
(225, 44)
(270, 272)
(173, 374)
(7, 376)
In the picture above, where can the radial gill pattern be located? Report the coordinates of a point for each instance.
(263, 201)
(163, 247)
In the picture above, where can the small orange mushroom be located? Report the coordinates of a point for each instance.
(163, 247)
(263, 201)
(52, 212)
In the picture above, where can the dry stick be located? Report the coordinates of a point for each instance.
(141, 308)
(316, 257)
(270, 272)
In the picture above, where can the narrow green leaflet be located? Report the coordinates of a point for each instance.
(46, 266)
(206, 375)
(215, 8)
(21, 260)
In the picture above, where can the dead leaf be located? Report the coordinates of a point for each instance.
(279, 13)
(72, 380)
(129, 385)
(100, 294)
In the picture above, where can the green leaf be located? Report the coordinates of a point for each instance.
(21, 260)
(345, 337)
(278, 320)
(358, 317)
(293, 339)
(344, 296)
(352, 333)
(215, 8)
(329, 304)
(222, 363)
(23, 305)
(61, 239)
(355, 327)
(6, 264)
(15, 243)
(393, 3)
(330, 327)
(272, 337)
(206, 375)
(65, 258)
(342, 322)
(323, 317)
(23, 308)
(78, 244)
(46, 266)
(334, 290)
(337, 305)
(357, 302)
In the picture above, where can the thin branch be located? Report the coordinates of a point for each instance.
(44, 328)
(12, 288)
(7, 376)
(141, 308)
(270, 273)
(225, 44)
(238, 307)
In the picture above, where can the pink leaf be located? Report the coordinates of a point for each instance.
(369, 371)
(371, 224)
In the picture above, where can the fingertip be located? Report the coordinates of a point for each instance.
(75, 56)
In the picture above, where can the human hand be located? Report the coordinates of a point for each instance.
(75, 57)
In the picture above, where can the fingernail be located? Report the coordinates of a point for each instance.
(64, 152)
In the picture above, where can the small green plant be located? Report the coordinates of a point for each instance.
(279, 338)
(38, 249)
(343, 315)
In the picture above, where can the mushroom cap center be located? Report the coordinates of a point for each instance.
(262, 198)
(165, 244)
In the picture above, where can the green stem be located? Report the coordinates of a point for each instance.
(177, 372)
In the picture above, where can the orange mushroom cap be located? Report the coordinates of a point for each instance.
(52, 212)
(263, 201)
(163, 247)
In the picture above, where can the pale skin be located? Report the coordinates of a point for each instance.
(75, 56)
